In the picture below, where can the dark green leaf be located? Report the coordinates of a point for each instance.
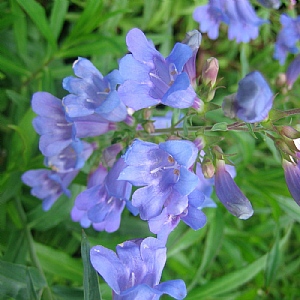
(90, 277)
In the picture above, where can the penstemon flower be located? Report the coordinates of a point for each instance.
(151, 79)
(134, 271)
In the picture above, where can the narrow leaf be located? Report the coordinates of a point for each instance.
(90, 277)
(38, 16)
(58, 14)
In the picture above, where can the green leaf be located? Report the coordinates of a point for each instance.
(38, 16)
(9, 66)
(229, 282)
(30, 288)
(20, 28)
(58, 14)
(272, 264)
(222, 126)
(14, 279)
(90, 277)
(59, 264)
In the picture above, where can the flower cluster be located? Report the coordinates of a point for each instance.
(165, 173)
(243, 23)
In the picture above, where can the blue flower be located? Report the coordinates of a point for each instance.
(210, 17)
(243, 23)
(230, 195)
(91, 93)
(134, 271)
(71, 158)
(48, 185)
(163, 171)
(287, 38)
(103, 202)
(292, 178)
(56, 132)
(293, 72)
(151, 79)
(253, 100)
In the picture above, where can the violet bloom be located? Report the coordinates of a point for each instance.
(210, 17)
(134, 271)
(162, 170)
(48, 185)
(292, 173)
(151, 79)
(293, 72)
(253, 100)
(287, 38)
(56, 132)
(91, 93)
(103, 202)
(292, 178)
(71, 158)
(243, 22)
(230, 195)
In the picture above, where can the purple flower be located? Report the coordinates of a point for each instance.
(243, 23)
(270, 3)
(91, 93)
(292, 172)
(134, 271)
(210, 17)
(163, 171)
(230, 194)
(292, 178)
(103, 202)
(293, 72)
(151, 79)
(253, 100)
(287, 38)
(71, 158)
(56, 132)
(48, 185)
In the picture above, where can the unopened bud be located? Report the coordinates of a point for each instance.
(149, 127)
(281, 79)
(208, 168)
(290, 132)
(199, 143)
(210, 71)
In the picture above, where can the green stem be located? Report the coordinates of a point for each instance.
(33, 256)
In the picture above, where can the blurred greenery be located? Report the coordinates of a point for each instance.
(40, 252)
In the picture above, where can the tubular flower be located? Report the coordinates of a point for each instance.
(253, 100)
(293, 72)
(242, 21)
(134, 271)
(48, 185)
(162, 171)
(56, 132)
(230, 194)
(151, 79)
(287, 38)
(91, 93)
(103, 202)
(210, 17)
(292, 173)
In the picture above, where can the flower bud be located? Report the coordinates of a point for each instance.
(230, 195)
(210, 71)
(149, 127)
(292, 178)
(293, 72)
(290, 132)
(208, 168)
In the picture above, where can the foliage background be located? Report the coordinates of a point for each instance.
(40, 251)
